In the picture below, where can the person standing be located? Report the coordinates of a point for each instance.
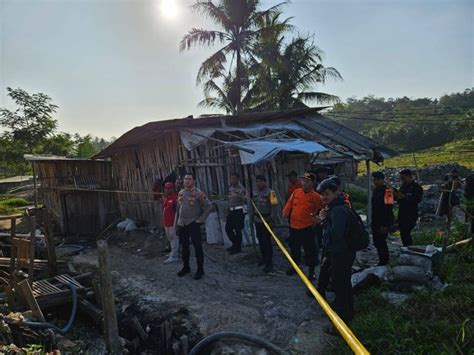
(338, 257)
(382, 215)
(169, 214)
(235, 218)
(193, 209)
(301, 211)
(266, 203)
(293, 183)
(408, 197)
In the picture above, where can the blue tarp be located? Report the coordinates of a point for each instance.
(266, 149)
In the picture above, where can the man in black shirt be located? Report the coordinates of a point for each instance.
(382, 215)
(408, 197)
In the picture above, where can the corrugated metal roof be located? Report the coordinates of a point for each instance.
(325, 131)
(45, 157)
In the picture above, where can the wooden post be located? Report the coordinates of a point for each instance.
(248, 187)
(50, 249)
(31, 263)
(35, 194)
(27, 293)
(12, 245)
(108, 305)
(369, 194)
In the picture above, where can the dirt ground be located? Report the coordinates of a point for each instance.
(234, 295)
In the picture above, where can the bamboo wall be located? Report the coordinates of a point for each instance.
(75, 211)
(136, 170)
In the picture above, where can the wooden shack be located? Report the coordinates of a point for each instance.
(76, 192)
(212, 147)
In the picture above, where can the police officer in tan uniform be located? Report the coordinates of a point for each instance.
(236, 216)
(266, 202)
(193, 209)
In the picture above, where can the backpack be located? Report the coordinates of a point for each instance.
(358, 236)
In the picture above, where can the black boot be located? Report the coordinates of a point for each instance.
(199, 274)
(267, 269)
(185, 270)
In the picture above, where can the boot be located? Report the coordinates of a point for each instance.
(185, 270)
(267, 269)
(199, 274)
(290, 271)
(311, 274)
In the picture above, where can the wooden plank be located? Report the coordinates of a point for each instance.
(31, 262)
(50, 248)
(27, 293)
(108, 304)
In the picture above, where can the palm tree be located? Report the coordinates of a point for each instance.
(238, 21)
(288, 81)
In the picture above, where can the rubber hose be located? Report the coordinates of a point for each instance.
(252, 339)
(68, 327)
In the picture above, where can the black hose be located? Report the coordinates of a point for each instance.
(68, 327)
(250, 338)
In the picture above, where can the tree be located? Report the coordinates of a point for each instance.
(239, 28)
(85, 146)
(31, 122)
(288, 80)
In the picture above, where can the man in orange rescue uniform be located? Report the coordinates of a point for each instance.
(301, 210)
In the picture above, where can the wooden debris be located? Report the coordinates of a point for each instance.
(27, 294)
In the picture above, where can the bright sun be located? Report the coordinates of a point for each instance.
(169, 9)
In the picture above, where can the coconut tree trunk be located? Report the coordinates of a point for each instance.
(238, 78)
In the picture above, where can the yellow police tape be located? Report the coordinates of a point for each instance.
(342, 328)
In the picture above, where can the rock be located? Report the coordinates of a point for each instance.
(395, 298)
(416, 260)
(404, 273)
(370, 276)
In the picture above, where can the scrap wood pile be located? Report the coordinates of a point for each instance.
(39, 297)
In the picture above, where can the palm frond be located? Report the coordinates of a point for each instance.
(319, 97)
(210, 10)
(202, 37)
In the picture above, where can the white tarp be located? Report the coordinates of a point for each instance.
(266, 149)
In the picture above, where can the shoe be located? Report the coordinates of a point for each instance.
(198, 275)
(267, 269)
(230, 248)
(234, 251)
(184, 271)
(261, 263)
(290, 271)
(170, 260)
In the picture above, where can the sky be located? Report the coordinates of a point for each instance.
(111, 65)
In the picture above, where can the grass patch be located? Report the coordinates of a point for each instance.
(9, 205)
(461, 152)
(429, 322)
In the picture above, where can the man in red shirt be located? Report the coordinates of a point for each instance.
(169, 214)
(301, 210)
(294, 183)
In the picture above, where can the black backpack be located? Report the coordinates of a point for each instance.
(358, 236)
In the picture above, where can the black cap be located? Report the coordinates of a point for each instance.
(261, 178)
(378, 175)
(335, 179)
(292, 173)
(309, 175)
(328, 183)
(406, 172)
